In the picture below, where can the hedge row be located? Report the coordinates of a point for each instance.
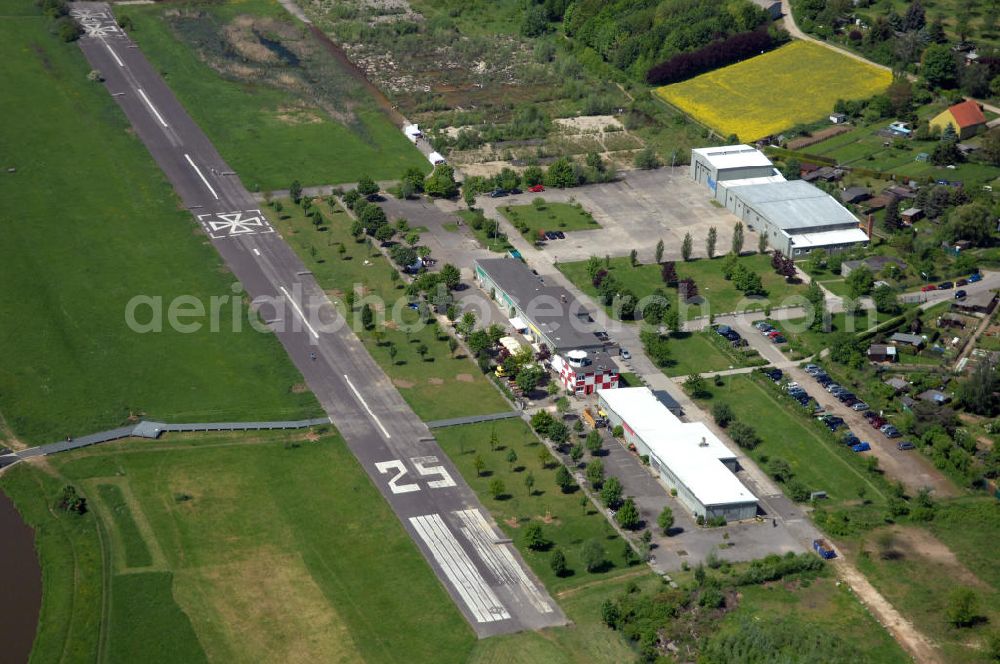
(717, 54)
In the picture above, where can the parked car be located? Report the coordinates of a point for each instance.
(961, 282)
(560, 235)
(861, 447)
(779, 339)
(761, 324)
(960, 294)
(928, 287)
(774, 374)
(850, 439)
(515, 190)
(536, 189)
(625, 354)
(877, 422)
(812, 369)
(945, 285)
(871, 415)
(549, 235)
(892, 432)
(904, 445)
(973, 278)
(790, 385)
(860, 406)
(498, 193)
(832, 386)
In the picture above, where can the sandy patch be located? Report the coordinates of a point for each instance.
(272, 610)
(512, 522)
(405, 384)
(919, 542)
(588, 123)
(435, 381)
(292, 115)
(299, 388)
(464, 378)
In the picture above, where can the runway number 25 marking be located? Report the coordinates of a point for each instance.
(423, 468)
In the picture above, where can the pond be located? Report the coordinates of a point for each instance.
(20, 584)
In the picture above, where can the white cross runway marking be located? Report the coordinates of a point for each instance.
(241, 222)
(198, 171)
(499, 557)
(142, 93)
(458, 567)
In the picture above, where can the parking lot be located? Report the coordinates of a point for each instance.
(634, 212)
(910, 467)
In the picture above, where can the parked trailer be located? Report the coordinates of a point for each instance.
(824, 549)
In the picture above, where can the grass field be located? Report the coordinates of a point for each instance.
(817, 462)
(497, 244)
(694, 352)
(564, 521)
(266, 547)
(797, 83)
(810, 341)
(917, 568)
(89, 225)
(718, 295)
(823, 604)
(304, 119)
(437, 385)
(549, 217)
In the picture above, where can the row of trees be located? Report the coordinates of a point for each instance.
(719, 53)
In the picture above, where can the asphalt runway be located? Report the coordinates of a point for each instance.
(482, 571)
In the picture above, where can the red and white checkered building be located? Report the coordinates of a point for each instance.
(585, 373)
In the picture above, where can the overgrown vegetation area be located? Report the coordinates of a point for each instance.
(275, 102)
(777, 608)
(498, 83)
(71, 263)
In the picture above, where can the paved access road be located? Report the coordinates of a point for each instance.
(483, 572)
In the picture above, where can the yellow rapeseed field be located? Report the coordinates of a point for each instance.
(799, 82)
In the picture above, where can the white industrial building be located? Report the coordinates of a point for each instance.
(709, 166)
(686, 456)
(797, 216)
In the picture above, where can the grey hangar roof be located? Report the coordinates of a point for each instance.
(552, 309)
(795, 205)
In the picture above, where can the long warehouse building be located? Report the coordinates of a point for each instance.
(687, 456)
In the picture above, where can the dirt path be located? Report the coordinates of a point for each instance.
(912, 640)
(642, 571)
(8, 437)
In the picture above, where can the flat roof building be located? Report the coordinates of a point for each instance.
(686, 456)
(550, 314)
(710, 166)
(797, 216)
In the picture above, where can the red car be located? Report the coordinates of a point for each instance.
(536, 189)
(928, 287)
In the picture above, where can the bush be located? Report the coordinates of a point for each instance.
(744, 435)
(722, 414)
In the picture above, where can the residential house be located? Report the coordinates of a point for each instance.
(838, 118)
(882, 353)
(905, 339)
(854, 195)
(966, 118)
(934, 396)
(585, 373)
(898, 384)
(977, 303)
